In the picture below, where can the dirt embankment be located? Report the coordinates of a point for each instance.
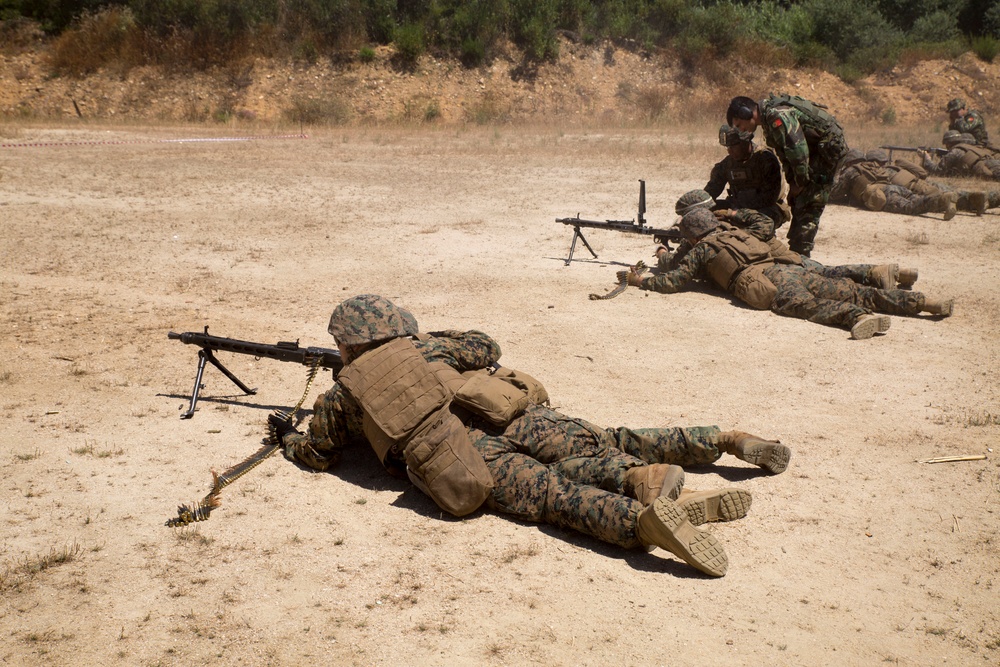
(597, 83)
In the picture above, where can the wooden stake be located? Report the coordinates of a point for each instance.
(951, 459)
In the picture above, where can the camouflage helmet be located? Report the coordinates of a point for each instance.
(955, 104)
(368, 318)
(731, 136)
(692, 200)
(853, 156)
(697, 222)
(966, 138)
(877, 155)
(951, 137)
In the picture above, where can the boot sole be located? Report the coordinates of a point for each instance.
(710, 506)
(870, 326)
(674, 532)
(773, 457)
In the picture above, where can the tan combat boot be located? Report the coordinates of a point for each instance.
(945, 203)
(977, 202)
(868, 325)
(649, 482)
(890, 276)
(718, 505)
(906, 278)
(942, 307)
(663, 524)
(883, 276)
(768, 454)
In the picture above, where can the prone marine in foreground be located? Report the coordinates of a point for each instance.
(437, 409)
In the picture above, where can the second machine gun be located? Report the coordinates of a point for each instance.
(635, 226)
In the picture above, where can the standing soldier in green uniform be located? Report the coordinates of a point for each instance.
(967, 121)
(738, 262)
(436, 408)
(810, 144)
(753, 174)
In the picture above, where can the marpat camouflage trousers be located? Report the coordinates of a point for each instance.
(807, 207)
(834, 302)
(566, 472)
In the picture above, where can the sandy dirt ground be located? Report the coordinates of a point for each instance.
(857, 555)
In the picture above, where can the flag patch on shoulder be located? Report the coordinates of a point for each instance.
(776, 123)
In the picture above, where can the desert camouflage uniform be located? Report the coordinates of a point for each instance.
(546, 467)
(802, 293)
(810, 157)
(966, 160)
(972, 123)
(754, 183)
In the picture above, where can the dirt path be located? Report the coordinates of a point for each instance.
(856, 556)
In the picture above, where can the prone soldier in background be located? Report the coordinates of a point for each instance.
(741, 264)
(967, 121)
(964, 158)
(884, 276)
(875, 185)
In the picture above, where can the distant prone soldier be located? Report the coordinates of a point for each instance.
(743, 265)
(868, 181)
(964, 158)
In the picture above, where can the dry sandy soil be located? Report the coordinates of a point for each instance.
(857, 555)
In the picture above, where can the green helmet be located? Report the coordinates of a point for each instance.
(854, 156)
(730, 136)
(368, 318)
(692, 200)
(877, 155)
(956, 104)
(951, 137)
(698, 222)
(966, 138)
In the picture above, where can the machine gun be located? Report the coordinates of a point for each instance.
(314, 357)
(911, 149)
(636, 226)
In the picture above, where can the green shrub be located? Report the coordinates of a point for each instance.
(96, 40)
(991, 20)
(939, 26)
(366, 54)
(848, 26)
(409, 41)
(986, 48)
(330, 110)
(889, 116)
(473, 52)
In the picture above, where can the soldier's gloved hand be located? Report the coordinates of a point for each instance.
(723, 213)
(282, 427)
(659, 251)
(633, 278)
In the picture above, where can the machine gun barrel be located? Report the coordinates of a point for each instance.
(282, 351)
(635, 226)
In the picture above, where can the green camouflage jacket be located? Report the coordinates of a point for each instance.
(972, 123)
